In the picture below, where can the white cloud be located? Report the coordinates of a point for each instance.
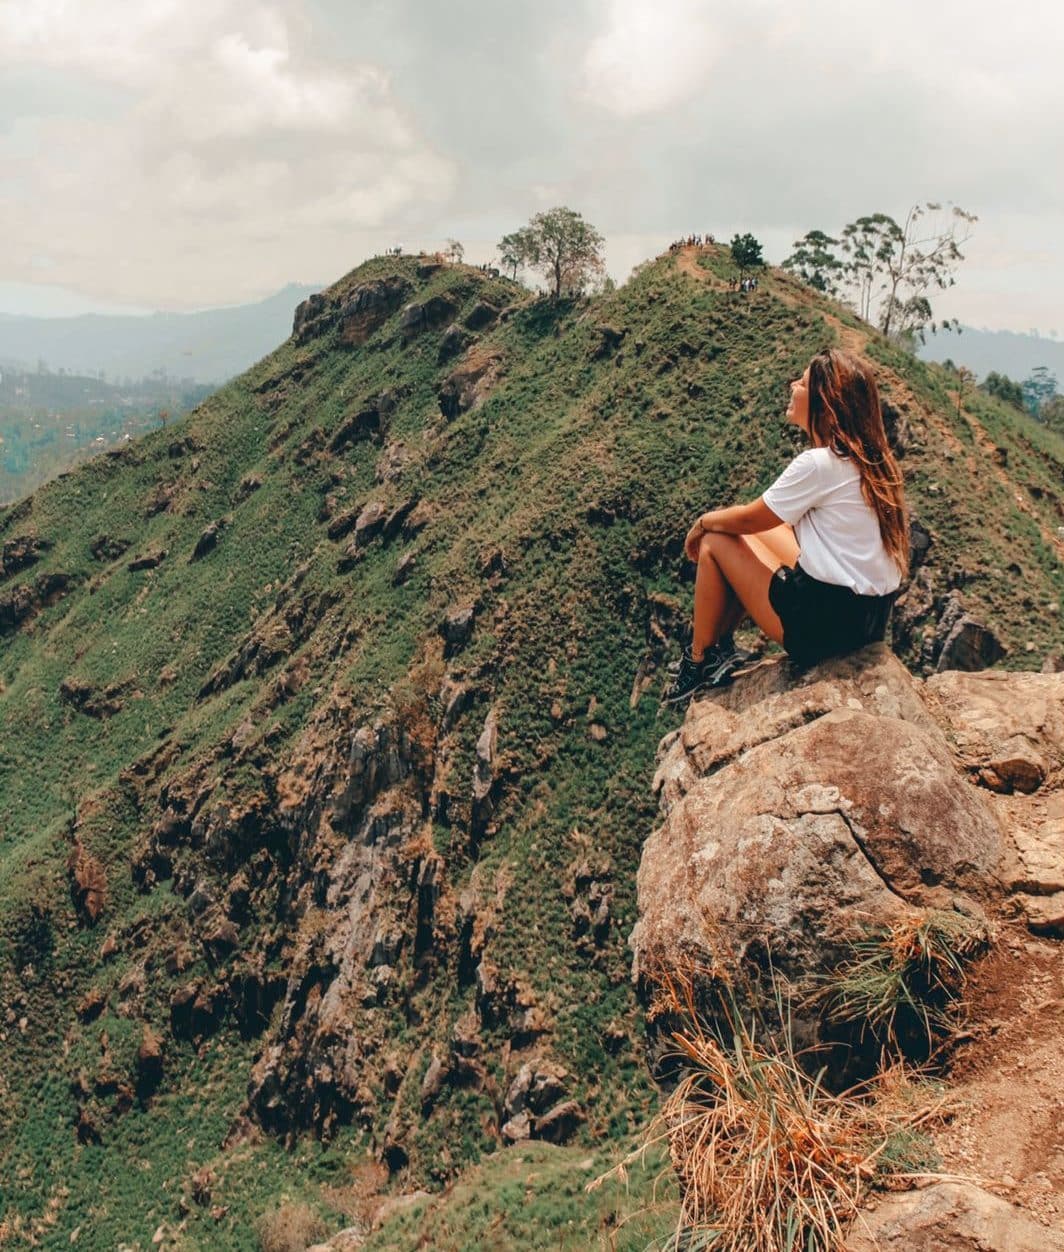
(649, 57)
(237, 160)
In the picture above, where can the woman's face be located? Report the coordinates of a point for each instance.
(798, 409)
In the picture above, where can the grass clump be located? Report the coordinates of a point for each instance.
(291, 1228)
(902, 986)
(767, 1157)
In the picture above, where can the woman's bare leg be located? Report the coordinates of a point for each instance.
(732, 580)
(717, 609)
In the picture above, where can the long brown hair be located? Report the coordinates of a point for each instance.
(845, 416)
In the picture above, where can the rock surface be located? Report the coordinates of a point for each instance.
(783, 839)
(950, 1217)
(801, 814)
(1007, 729)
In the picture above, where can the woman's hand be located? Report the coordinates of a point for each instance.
(693, 541)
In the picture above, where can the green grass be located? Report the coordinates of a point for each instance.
(533, 1196)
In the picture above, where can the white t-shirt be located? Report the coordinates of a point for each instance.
(819, 494)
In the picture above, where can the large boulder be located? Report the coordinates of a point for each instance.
(800, 816)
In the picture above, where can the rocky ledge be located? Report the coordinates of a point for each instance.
(802, 814)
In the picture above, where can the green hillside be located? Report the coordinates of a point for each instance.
(270, 927)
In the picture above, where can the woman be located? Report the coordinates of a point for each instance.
(817, 560)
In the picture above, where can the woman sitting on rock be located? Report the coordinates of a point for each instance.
(817, 560)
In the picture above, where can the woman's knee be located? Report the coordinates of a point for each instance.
(713, 543)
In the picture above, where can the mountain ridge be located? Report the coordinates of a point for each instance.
(330, 724)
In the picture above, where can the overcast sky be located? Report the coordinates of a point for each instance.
(177, 154)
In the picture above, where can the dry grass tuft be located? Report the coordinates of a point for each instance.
(768, 1160)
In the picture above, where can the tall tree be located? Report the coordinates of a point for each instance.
(560, 245)
(454, 252)
(1038, 389)
(746, 252)
(898, 267)
(816, 262)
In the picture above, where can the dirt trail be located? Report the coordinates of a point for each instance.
(1008, 1079)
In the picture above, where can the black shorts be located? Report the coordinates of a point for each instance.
(824, 619)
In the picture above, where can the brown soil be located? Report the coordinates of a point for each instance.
(1008, 1078)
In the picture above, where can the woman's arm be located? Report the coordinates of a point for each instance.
(738, 519)
(741, 519)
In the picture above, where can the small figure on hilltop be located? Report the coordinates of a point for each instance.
(818, 559)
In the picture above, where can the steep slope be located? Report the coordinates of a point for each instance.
(328, 719)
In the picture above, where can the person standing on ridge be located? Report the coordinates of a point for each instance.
(817, 560)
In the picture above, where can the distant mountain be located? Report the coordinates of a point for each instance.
(1005, 351)
(207, 347)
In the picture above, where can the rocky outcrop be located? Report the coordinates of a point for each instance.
(425, 315)
(470, 383)
(22, 603)
(107, 547)
(454, 340)
(1006, 729)
(368, 868)
(99, 702)
(21, 552)
(802, 815)
(363, 311)
(88, 883)
(208, 539)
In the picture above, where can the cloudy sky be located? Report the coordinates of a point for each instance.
(177, 154)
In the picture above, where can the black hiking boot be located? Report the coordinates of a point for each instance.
(726, 645)
(714, 670)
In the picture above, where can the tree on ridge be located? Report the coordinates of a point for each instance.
(558, 244)
(746, 252)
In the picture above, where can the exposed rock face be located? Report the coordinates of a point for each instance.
(22, 603)
(92, 701)
(802, 813)
(950, 1217)
(426, 315)
(363, 311)
(1007, 732)
(453, 341)
(799, 817)
(481, 315)
(88, 883)
(21, 552)
(208, 539)
(148, 560)
(107, 548)
(1007, 729)
(356, 794)
(469, 384)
